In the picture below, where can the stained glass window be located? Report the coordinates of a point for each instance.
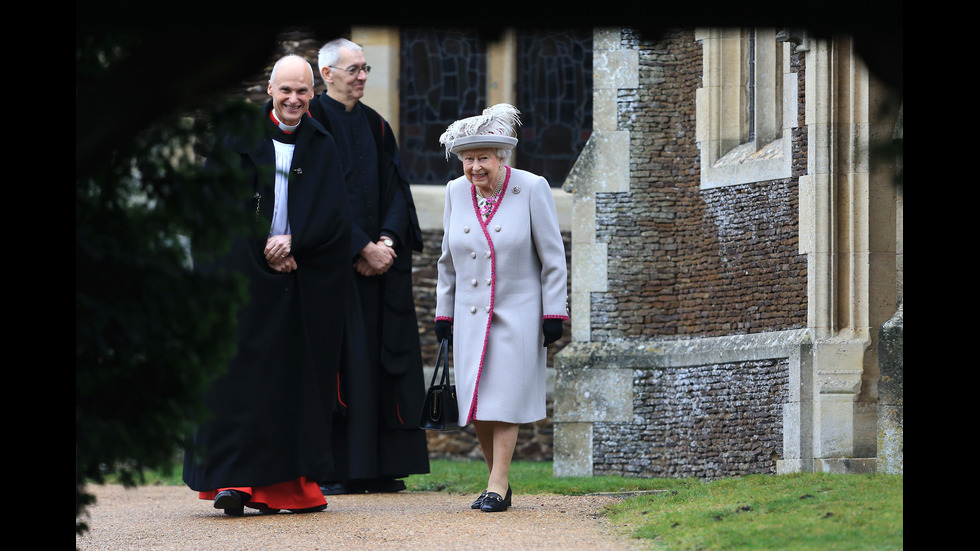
(443, 78)
(554, 94)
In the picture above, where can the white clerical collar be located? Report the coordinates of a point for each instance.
(283, 126)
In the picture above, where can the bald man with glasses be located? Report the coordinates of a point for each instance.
(376, 437)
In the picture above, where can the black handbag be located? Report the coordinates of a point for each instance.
(440, 410)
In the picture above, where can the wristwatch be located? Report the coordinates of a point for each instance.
(388, 241)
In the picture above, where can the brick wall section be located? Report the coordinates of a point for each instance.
(798, 66)
(702, 421)
(424, 277)
(685, 262)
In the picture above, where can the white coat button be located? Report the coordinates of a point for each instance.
(487, 308)
(473, 254)
(473, 282)
(488, 254)
(466, 229)
(472, 309)
(489, 281)
(496, 228)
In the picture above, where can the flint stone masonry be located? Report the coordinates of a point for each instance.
(707, 407)
(704, 421)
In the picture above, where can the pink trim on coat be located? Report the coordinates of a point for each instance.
(443, 318)
(493, 284)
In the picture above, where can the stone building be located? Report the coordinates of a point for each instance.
(735, 245)
(745, 250)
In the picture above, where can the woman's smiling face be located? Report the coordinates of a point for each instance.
(481, 167)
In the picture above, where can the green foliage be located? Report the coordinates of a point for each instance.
(151, 332)
(168, 475)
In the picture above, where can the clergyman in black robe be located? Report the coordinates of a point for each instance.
(377, 440)
(267, 440)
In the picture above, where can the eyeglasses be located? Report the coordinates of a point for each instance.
(353, 71)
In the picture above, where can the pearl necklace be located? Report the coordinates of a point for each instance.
(486, 203)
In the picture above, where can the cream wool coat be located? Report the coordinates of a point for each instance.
(497, 281)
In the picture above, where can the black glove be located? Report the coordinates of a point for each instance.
(552, 329)
(444, 330)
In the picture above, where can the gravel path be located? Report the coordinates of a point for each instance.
(172, 518)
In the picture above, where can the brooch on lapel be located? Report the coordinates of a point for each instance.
(516, 189)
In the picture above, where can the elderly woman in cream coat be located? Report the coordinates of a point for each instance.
(501, 292)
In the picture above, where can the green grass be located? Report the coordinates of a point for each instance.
(528, 477)
(799, 511)
(785, 512)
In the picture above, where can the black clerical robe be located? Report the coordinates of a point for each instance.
(376, 434)
(271, 413)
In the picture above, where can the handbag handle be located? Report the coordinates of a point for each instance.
(443, 359)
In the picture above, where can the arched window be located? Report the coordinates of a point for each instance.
(554, 93)
(442, 78)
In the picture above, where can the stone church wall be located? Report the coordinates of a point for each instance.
(692, 341)
(686, 262)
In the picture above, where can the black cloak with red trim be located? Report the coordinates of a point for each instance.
(271, 413)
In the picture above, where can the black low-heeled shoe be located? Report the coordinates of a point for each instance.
(479, 501)
(493, 503)
(232, 501)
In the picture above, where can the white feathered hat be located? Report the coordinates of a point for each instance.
(494, 129)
